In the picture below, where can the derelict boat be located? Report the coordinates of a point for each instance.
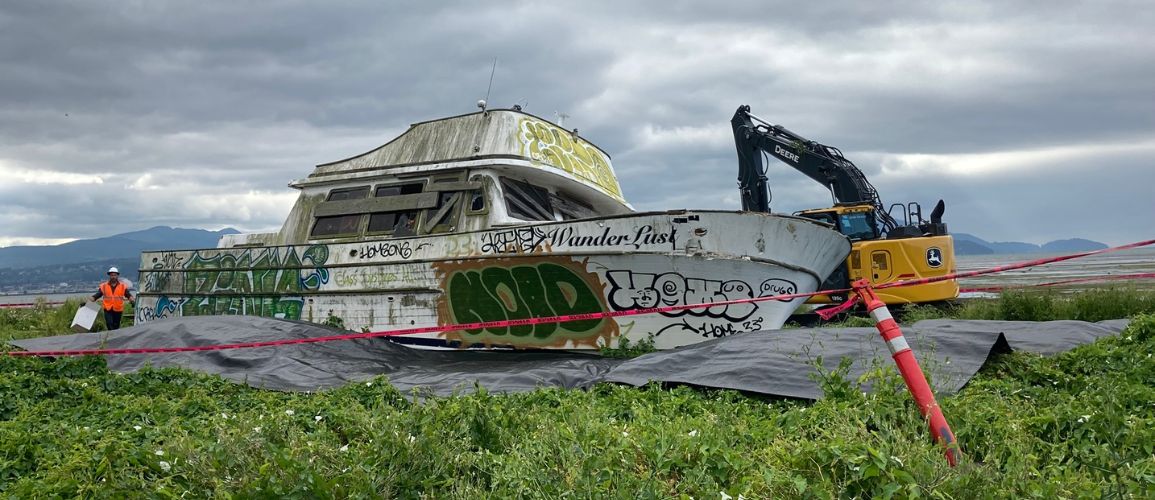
(488, 216)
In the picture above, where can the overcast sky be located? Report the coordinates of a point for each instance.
(1033, 122)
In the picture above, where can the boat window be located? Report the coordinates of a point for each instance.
(397, 189)
(526, 201)
(337, 225)
(571, 208)
(356, 193)
(400, 223)
(441, 218)
(476, 200)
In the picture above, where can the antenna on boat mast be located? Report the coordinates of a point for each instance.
(482, 103)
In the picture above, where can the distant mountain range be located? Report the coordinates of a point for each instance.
(84, 261)
(969, 244)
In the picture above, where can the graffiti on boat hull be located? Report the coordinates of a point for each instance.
(537, 240)
(512, 289)
(271, 271)
(632, 290)
(547, 143)
(270, 283)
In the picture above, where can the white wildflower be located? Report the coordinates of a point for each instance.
(289, 412)
(165, 466)
(343, 448)
(1083, 419)
(159, 453)
(317, 418)
(136, 427)
(368, 384)
(411, 438)
(256, 429)
(694, 433)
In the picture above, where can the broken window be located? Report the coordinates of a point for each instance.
(442, 217)
(356, 193)
(337, 225)
(398, 189)
(477, 200)
(526, 201)
(570, 208)
(401, 223)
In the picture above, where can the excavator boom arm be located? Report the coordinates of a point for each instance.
(824, 164)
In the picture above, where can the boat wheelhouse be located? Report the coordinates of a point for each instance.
(496, 215)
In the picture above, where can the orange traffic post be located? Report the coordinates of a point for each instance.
(908, 367)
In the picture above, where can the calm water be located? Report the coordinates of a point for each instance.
(1125, 262)
(51, 297)
(1115, 263)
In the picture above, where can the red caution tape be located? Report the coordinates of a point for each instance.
(829, 312)
(550, 319)
(412, 331)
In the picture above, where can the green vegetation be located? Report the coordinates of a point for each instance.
(1078, 424)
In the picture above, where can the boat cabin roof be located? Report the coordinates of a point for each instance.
(518, 138)
(467, 172)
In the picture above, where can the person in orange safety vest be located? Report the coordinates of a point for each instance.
(114, 292)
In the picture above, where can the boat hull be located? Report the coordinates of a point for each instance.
(584, 266)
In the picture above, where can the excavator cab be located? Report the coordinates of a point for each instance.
(855, 221)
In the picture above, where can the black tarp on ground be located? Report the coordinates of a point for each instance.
(777, 363)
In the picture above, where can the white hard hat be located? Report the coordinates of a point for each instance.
(113, 270)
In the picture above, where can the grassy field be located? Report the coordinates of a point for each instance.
(1078, 424)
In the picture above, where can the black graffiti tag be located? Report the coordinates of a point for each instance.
(386, 249)
(532, 239)
(630, 290)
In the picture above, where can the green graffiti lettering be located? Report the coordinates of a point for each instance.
(473, 304)
(568, 294)
(529, 285)
(289, 280)
(267, 284)
(500, 283)
(499, 292)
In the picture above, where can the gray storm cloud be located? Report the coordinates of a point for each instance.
(1032, 124)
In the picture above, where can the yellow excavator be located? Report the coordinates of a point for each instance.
(883, 249)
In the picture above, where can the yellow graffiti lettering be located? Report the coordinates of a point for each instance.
(552, 146)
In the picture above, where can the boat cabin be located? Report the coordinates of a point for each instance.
(465, 173)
